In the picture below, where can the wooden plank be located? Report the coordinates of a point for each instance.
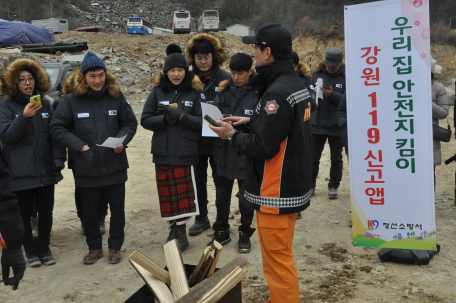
(218, 250)
(179, 283)
(150, 266)
(204, 271)
(158, 287)
(191, 280)
(198, 291)
(224, 286)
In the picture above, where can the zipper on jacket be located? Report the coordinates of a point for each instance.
(106, 118)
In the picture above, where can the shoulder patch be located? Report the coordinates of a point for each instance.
(297, 97)
(271, 107)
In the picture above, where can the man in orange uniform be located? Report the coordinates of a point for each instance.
(278, 147)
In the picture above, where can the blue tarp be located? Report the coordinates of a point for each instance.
(10, 33)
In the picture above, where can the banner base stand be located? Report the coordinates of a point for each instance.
(407, 256)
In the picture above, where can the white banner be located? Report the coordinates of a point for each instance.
(389, 112)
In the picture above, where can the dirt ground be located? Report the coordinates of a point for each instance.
(330, 269)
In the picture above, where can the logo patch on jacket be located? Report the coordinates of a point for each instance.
(203, 96)
(113, 113)
(216, 89)
(164, 102)
(271, 107)
(248, 112)
(188, 103)
(338, 85)
(45, 115)
(83, 115)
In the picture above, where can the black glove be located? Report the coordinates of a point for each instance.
(177, 113)
(15, 259)
(58, 165)
(165, 110)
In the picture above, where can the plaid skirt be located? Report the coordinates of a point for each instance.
(176, 192)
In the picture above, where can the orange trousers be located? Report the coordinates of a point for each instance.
(276, 234)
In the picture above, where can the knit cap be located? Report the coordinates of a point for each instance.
(91, 60)
(175, 58)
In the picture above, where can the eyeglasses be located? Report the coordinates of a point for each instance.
(24, 80)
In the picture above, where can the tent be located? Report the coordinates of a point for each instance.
(10, 33)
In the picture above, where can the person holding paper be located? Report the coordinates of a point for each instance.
(173, 112)
(95, 110)
(205, 53)
(102, 212)
(277, 149)
(236, 97)
(325, 126)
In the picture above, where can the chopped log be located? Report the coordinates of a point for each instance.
(158, 287)
(191, 280)
(208, 286)
(176, 269)
(150, 266)
(218, 250)
(204, 271)
(224, 286)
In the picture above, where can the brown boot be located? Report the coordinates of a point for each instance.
(93, 256)
(114, 256)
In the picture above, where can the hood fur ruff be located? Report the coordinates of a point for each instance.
(305, 70)
(69, 82)
(219, 51)
(76, 84)
(196, 82)
(223, 86)
(10, 75)
(321, 64)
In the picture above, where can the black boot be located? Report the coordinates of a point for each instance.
(172, 233)
(244, 245)
(181, 236)
(44, 253)
(32, 257)
(199, 226)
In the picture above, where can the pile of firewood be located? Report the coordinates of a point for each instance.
(204, 285)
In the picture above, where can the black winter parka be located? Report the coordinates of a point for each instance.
(90, 117)
(11, 225)
(324, 118)
(240, 102)
(27, 145)
(209, 93)
(174, 144)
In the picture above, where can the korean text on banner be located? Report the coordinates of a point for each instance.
(389, 117)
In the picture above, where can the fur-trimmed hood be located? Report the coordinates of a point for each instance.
(10, 75)
(76, 84)
(220, 55)
(196, 82)
(223, 86)
(69, 82)
(321, 65)
(305, 70)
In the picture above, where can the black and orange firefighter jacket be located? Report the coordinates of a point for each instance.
(278, 145)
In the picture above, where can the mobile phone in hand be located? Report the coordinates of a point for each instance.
(36, 99)
(326, 86)
(211, 121)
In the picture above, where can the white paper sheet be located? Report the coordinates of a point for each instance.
(112, 142)
(319, 91)
(213, 112)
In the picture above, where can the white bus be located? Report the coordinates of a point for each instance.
(209, 22)
(182, 23)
